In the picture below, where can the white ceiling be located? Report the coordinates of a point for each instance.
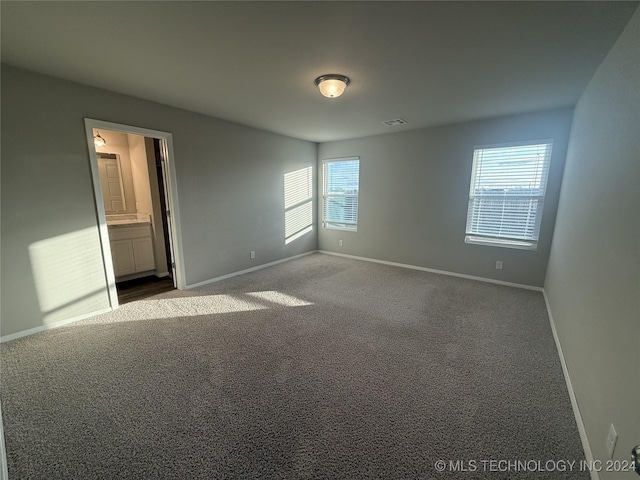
(430, 63)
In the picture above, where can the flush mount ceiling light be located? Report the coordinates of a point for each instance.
(98, 141)
(332, 85)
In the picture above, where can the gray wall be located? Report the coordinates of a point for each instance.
(593, 279)
(414, 192)
(230, 188)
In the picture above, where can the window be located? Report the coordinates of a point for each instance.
(341, 179)
(506, 197)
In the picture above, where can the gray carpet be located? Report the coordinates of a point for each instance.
(321, 367)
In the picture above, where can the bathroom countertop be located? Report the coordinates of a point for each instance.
(125, 223)
(128, 219)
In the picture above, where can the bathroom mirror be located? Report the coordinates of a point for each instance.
(111, 183)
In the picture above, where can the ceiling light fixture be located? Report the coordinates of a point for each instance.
(332, 85)
(98, 141)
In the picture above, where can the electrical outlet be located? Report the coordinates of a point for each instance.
(499, 265)
(252, 254)
(339, 243)
(612, 438)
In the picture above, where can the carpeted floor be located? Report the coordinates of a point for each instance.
(321, 367)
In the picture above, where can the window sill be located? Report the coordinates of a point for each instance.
(350, 228)
(501, 242)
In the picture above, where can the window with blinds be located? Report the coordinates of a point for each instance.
(341, 181)
(506, 197)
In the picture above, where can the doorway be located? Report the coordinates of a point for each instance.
(136, 204)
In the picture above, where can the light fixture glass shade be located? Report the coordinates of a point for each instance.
(332, 85)
(98, 141)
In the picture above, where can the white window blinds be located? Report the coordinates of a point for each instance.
(341, 179)
(506, 197)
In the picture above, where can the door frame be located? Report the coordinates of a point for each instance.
(171, 188)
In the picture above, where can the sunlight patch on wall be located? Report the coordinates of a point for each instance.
(298, 204)
(68, 273)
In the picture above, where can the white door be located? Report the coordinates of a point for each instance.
(167, 199)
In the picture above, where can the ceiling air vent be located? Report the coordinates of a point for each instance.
(395, 122)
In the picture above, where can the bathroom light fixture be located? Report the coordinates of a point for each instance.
(332, 85)
(98, 140)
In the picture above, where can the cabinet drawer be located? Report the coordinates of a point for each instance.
(129, 233)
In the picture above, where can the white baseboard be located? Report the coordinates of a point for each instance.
(49, 326)
(572, 396)
(248, 270)
(439, 272)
